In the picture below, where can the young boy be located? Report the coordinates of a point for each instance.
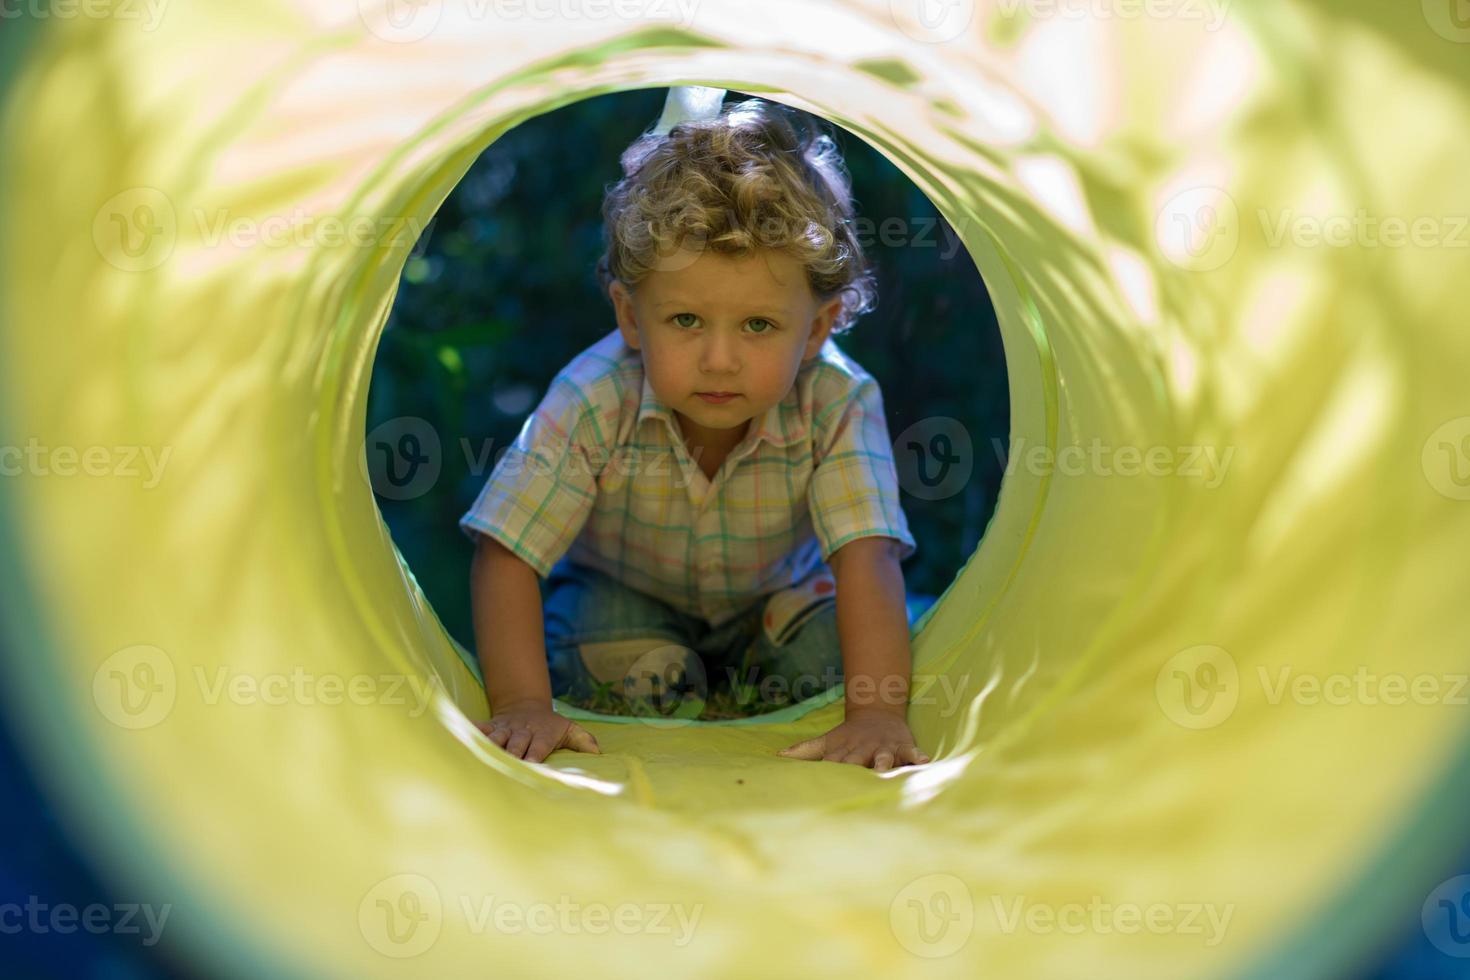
(701, 484)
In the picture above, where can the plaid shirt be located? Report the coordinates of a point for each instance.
(599, 473)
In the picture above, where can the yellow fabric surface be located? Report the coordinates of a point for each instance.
(1102, 686)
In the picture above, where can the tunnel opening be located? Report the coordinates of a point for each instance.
(496, 296)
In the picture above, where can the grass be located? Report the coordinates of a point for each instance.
(720, 703)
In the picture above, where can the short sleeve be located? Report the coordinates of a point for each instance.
(854, 486)
(543, 487)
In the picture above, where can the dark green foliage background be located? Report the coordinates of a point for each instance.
(500, 294)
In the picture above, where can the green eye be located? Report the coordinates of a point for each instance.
(769, 326)
(678, 318)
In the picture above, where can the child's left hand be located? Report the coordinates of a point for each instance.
(874, 738)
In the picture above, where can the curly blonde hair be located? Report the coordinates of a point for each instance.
(760, 175)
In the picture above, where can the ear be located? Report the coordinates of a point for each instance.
(622, 300)
(822, 326)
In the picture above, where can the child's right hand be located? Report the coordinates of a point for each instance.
(532, 731)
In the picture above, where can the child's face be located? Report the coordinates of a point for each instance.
(723, 324)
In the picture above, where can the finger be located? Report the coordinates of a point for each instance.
(542, 745)
(883, 761)
(579, 739)
(492, 730)
(859, 757)
(518, 742)
(910, 755)
(810, 749)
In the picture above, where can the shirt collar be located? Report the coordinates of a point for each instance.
(781, 425)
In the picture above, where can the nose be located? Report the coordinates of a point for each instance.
(718, 355)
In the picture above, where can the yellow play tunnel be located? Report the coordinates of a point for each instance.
(1197, 704)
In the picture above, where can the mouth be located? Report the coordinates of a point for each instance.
(717, 396)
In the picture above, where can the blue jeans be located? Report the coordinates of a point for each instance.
(603, 634)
